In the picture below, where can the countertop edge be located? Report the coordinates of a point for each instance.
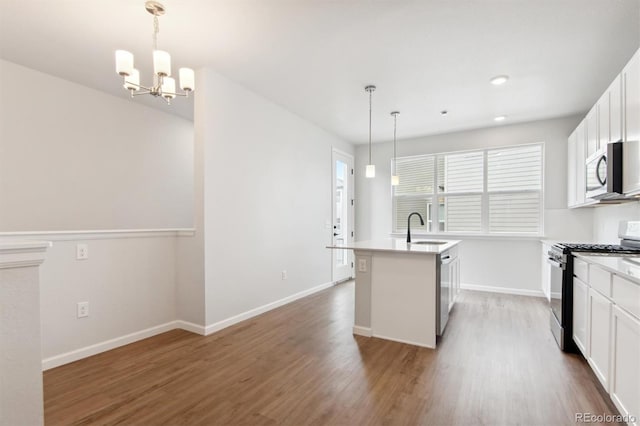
(594, 259)
(361, 246)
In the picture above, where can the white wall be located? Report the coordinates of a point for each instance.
(73, 158)
(491, 262)
(607, 218)
(267, 197)
(128, 282)
(262, 183)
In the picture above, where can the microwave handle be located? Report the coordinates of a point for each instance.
(600, 179)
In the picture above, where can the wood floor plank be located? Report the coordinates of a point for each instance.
(497, 364)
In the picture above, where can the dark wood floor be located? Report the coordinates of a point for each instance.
(497, 364)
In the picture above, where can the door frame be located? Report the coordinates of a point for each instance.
(351, 213)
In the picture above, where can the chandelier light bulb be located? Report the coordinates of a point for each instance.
(187, 79)
(161, 63)
(124, 62)
(169, 88)
(132, 82)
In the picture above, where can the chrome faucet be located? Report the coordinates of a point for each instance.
(409, 225)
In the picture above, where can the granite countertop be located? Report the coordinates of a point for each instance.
(626, 266)
(397, 245)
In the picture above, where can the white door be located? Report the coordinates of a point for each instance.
(342, 207)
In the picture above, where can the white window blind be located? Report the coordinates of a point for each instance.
(515, 169)
(463, 213)
(461, 172)
(418, 175)
(506, 198)
(515, 186)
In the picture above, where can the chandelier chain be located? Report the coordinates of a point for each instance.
(156, 30)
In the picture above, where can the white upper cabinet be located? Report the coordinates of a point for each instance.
(581, 156)
(604, 116)
(576, 156)
(571, 170)
(631, 102)
(631, 85)
(615, 110)
(615, 117)
(592, 131)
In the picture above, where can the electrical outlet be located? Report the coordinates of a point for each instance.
(82, 309)
(284, 275)
(362, 265)
(82, 251)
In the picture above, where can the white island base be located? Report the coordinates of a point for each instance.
(396, 295)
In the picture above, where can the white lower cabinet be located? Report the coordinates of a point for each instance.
(606, 329)
(625, 364)
(546, 271)
(580, 299)
(599, 335)
(454, 274)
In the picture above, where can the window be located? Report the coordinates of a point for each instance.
(491, 191)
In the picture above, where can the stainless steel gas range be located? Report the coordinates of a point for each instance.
(560, 257)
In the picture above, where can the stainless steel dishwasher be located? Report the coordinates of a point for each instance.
(443, 288)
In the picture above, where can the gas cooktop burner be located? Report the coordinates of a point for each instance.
(600, 248)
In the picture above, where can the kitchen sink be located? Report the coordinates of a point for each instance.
(428, 242)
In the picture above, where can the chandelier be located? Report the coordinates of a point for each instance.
(163, 84)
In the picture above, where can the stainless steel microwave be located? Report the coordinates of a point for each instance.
(604, 173)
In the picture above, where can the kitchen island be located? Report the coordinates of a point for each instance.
(402, 289)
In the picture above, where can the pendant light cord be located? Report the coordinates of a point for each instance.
(395, 160)
(370, 91)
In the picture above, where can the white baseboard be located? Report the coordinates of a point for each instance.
(504, 290)
(212, 328)
(408, 342)
(87, 351)
(189, 326)
(362, 331)
(75, 355)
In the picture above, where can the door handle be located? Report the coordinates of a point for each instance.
(335, 234)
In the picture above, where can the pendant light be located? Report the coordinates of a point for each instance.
(395, 179)
(371, 168)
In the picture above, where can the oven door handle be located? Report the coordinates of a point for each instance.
(557, 264)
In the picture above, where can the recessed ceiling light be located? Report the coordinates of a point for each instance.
(500, 118)
(499, 79)
(444, 112)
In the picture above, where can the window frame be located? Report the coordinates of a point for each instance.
(433, 198)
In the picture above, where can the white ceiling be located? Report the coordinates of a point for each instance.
(314, 57)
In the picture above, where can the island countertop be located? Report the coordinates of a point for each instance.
(398, 245)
